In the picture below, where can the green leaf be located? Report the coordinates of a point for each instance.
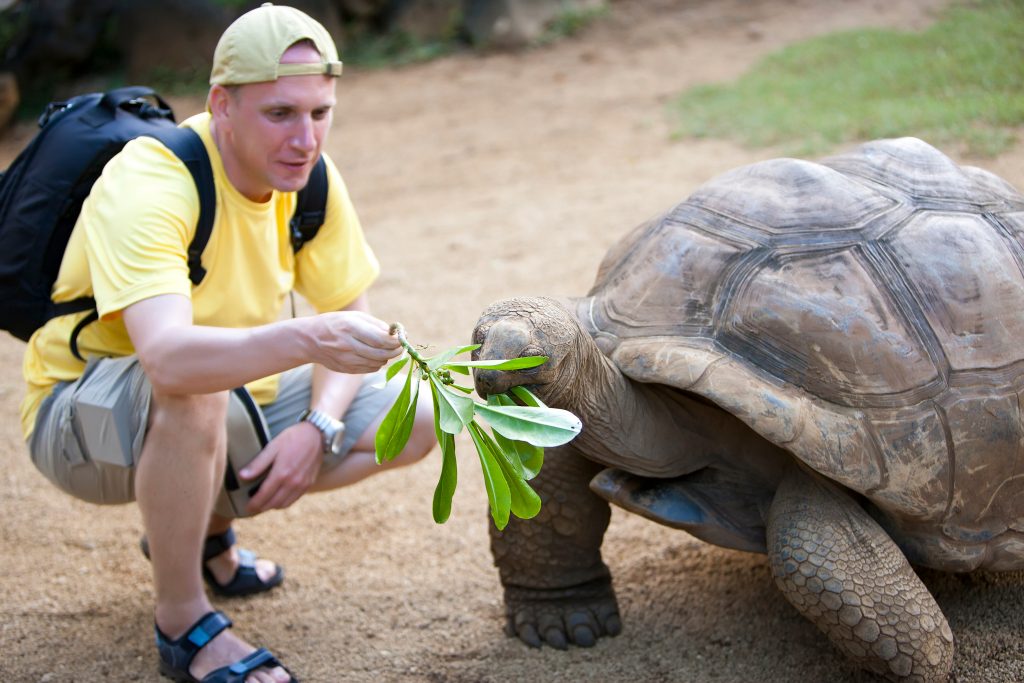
(527, 396)
(395, 367)
(528, 458)
(435, 362)
(523, 500)
(539, 426)
(447, 482)
(404, 430)
(499, 364)
(465, 390)
(454, 411)
(532, 457)
(391, 427)
(498, 494)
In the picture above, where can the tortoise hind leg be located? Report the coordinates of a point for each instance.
(557, 588)
(840, 569)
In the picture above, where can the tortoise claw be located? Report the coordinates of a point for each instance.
(579, 617)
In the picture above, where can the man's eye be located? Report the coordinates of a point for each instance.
(321, 114)
(277, 114)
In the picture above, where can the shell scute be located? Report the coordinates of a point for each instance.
(785, 200)
(821, 322)
(917, 465)
(969, 286)
(989, 438)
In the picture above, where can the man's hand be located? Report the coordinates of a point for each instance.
(354, 342)
(294, 458)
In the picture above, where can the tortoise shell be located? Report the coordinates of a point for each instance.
(866, 313)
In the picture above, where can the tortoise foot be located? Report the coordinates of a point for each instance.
(577, 615)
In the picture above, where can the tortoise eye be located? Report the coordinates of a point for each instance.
(532, 350)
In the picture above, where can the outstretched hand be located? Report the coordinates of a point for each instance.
(354, 342)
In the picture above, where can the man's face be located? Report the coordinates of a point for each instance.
(270, 134)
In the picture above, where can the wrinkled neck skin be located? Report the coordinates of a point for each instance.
(645, 429)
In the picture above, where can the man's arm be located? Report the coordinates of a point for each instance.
(180, 357)
(295, 455)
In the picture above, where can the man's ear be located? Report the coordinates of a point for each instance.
(218, 102)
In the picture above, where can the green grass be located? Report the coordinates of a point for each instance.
(959, 82)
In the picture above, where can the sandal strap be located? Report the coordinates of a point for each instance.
(179, 653)
(218, 544)
(237, 672)
(246, 559)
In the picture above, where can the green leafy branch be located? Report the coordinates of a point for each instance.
(510, 454)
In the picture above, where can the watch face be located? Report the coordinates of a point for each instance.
(336, 440)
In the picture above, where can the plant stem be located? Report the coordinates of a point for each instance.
(397, 330)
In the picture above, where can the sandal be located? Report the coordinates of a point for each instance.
(245, 581)
(176, 655)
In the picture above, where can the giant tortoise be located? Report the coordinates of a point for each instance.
(823, 362)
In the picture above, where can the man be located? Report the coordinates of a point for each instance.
(164, 356)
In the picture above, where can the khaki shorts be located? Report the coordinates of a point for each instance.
(88, 434)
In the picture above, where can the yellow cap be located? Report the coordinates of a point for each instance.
(250, 49)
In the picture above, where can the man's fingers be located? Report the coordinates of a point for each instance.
(258, 465)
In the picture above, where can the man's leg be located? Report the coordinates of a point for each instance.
(361, 461)
(176, 481)
(179, 463)
(357, 460)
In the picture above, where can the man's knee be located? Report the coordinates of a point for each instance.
(189, 416)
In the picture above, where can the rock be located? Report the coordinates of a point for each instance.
(361, 9)
(172, 39)
(517, 23)
(425, 20)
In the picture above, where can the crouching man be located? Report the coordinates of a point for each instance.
(167, 359)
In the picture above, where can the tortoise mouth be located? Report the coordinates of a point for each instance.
(492, 382)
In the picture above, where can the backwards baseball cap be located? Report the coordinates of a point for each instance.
(250, 49)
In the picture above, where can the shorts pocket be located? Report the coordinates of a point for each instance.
(70, 443)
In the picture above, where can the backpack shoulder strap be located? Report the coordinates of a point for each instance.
(188, 146)
(310, 207)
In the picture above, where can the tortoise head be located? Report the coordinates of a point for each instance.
(530, 326)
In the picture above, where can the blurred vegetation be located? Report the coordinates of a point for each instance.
(959, 82)
(59, 49)
(571, 22)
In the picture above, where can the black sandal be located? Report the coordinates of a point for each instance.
(176, 655)
(245, 581)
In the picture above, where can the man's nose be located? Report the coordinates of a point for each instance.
(304, 135)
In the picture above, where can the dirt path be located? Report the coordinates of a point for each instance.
(479, 178)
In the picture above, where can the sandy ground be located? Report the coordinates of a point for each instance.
(477, 178)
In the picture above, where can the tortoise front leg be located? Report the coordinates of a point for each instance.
(840, 569)
(557, 588)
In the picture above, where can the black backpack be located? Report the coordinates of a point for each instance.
(41, 194)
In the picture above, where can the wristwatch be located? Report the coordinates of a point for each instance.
(333, 431)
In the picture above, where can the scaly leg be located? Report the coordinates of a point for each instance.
(557, 588)
(837, 566)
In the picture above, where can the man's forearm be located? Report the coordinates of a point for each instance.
(197, 360)
(180, 357)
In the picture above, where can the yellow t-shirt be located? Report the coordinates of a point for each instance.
(130, 243)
